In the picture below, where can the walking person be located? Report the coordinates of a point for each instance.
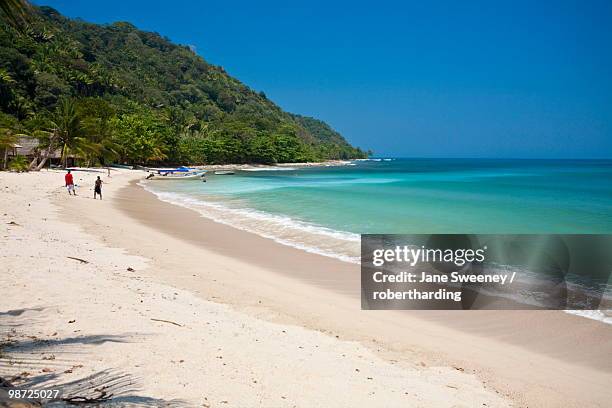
(98, 188)
(69, 183)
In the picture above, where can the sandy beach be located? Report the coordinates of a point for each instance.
(158, 306)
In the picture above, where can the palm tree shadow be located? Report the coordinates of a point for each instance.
(106, 388)
(29, 362)
(103, 388)
(12, 319)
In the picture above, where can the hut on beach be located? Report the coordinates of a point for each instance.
(29, 148)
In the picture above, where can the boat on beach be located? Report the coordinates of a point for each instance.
(224, 172)
(170, 176)
(181, 169)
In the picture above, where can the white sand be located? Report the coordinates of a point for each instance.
(218, 356)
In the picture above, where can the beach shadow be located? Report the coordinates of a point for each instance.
(36, 344)
(103, 388)
(19, 312)
(32, 362)
(14, 318)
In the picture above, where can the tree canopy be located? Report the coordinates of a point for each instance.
(115, 93)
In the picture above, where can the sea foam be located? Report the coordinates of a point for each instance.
(302, 235)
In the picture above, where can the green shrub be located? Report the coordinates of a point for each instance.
(18, 164)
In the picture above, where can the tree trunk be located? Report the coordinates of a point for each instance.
(5, 163)
(46, 153)
(42, 163)
(33, 163)
(64, 159)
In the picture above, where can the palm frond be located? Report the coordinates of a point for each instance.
(16, 12)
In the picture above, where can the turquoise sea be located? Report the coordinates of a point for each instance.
(324, 209)
(423, 195)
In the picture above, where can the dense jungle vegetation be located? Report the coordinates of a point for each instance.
(113, 93)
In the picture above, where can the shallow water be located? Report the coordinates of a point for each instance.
(324, 209)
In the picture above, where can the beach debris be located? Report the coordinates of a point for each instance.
(130, 269)
(71, 369)
(12, 223)
(78, 259)
(5, 383)
(458, 368)
(167, 321)
(101, 397)
(71, 321)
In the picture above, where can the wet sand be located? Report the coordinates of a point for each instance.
(95, 301)
(540, 358)
(259, 323)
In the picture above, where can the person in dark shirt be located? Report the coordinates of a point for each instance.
(98, 188)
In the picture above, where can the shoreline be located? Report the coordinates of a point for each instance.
(514, 340)
(224, 214)
(530, 357)
(84, 314)
(271, 167)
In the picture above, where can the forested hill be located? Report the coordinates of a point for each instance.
(127, 95)
(321, 130)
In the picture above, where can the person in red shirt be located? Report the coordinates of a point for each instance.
(69, 183)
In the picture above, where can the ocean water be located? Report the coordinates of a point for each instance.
(324, 209)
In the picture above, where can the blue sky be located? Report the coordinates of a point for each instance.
(521, 79)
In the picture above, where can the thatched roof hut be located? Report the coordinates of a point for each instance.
(28, 146)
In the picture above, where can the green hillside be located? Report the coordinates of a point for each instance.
(115, 93)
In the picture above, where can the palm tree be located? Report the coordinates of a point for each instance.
(9, 136)
(16, 11)
(6, 81)
(99, 135)
(65, 130)
(47, 142)
(68, 128)
(7, 139)
(88, 139)
(21, 108)
(5, 77)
